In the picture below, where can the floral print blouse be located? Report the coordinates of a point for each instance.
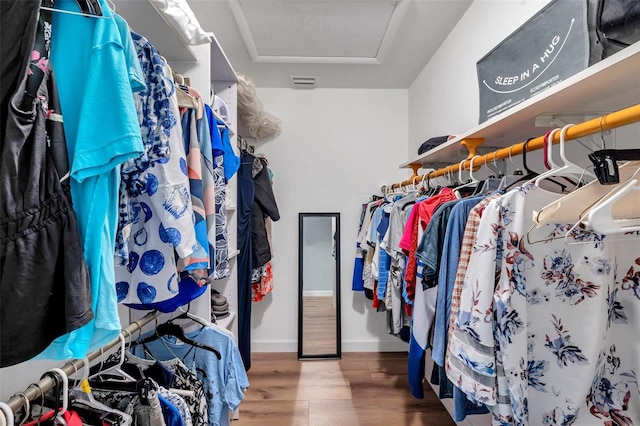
(544, 331)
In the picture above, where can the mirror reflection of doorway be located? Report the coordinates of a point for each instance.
(319, 299)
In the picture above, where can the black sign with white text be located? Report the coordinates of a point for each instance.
(547, 49)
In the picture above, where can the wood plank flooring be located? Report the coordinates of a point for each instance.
(360, 389)
(319, 326)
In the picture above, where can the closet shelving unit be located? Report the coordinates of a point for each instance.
(609, 85)
(208, 68)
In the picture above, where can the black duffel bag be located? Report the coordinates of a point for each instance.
(617, 24)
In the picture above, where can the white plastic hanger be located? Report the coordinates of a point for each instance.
(568, 169)
(7, 414)
(110, 4)
(473, 181)
(575, 206)
(583, 223)
(601, 217)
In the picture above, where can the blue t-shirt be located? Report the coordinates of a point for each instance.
(216, 138)
(224, 380)
(447, 274)
(446, 278)
(102, 131)
(170, 413)
(384, 260)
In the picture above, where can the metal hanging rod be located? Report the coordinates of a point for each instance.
(35, 390)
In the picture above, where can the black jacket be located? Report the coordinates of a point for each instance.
(264, 205)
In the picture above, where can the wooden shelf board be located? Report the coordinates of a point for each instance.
(609, 85)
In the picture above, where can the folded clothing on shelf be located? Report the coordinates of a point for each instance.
(220, 308)
(219, 315)
(217, 299)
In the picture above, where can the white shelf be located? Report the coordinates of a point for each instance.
(227, 321)
(609, 85)
(232, 208)
(234, 253)
(145, 19)
(221, 68)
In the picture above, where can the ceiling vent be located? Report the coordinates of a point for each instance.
(303, 82)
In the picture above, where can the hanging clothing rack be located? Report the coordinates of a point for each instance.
(35, 390)
(243, 145)
(609, 121)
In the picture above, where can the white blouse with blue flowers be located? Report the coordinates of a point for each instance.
(545, 331)
(162, 226)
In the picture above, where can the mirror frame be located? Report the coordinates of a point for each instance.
(338, 353)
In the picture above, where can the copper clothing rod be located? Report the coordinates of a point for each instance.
(600, 124)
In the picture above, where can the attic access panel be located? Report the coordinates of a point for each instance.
(318, 31)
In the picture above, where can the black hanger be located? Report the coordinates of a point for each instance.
(171, 329)
(90, 7)
(605, 163)
(530, 173)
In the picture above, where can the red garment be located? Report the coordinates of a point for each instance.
(422, 212)
(71, 417)
(264, 286)
(376, 302)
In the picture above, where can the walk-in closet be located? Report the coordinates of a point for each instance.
(310, 213)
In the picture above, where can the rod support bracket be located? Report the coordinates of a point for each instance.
(415, 168)
(472, 145)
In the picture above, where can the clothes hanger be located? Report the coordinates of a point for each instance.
(582, 225)
(117, 368)
(451, 177)
(434, 190)
(56, 416)
(88, 9)
(493, 166)
(605, 163)
(569, 169)
(170, 329)
(509, 180)
(27, 407)
(547, 149)
(491, 183)
(471, 185)
(601, 216)
(65, 395)
(190, 316)
(185, 100)
(573, 207)
(7, 416)
(531, 174)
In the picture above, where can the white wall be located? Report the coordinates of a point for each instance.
(336, 148)
(444, 99)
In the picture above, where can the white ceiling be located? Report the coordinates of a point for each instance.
(344, 43)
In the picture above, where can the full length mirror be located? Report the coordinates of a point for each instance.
(319, 285)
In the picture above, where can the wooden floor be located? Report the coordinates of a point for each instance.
(319, 326)
(359, 389)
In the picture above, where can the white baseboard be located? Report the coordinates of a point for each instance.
(347, 346)
(274, 346)
(317, 293)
